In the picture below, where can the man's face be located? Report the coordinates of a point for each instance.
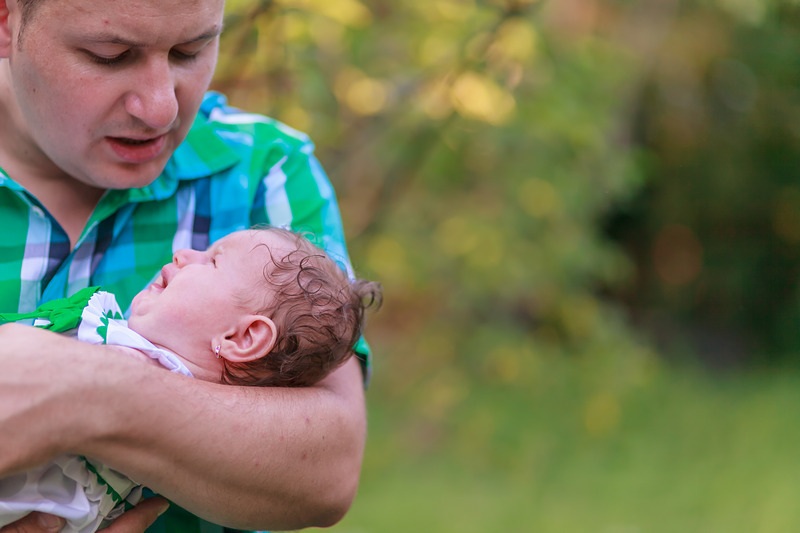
(105, 91)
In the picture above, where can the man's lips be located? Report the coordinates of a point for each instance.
(137, 150)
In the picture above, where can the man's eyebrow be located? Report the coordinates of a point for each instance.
(107, 38)
(210, 34)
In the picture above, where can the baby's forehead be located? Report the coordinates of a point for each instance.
(247, 241)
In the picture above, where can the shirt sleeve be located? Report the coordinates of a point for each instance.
(295, 192)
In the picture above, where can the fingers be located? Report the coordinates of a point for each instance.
(36, 523)
(134, 521)
(139, 518)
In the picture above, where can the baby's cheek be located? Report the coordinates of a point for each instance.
(179, 323)
(134, 307)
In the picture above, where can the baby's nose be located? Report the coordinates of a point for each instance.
(186, 256)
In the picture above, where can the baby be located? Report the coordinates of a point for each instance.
(261, 307)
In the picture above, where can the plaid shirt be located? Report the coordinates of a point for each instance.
(233, 170)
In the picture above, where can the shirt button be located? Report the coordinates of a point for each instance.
(37, 211)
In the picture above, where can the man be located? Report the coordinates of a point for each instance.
(106, 166)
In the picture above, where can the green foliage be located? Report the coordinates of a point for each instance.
(513, 171)
(671, 452)
(717, 232)
(474, 150)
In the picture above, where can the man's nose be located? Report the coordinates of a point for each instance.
(154, 100)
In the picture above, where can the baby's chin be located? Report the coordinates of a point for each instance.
(133, 315)
(136, 309)
(135, 318)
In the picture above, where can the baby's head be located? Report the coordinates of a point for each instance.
(273, 306)
(317, 311)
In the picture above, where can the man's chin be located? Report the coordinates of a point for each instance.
(127, 176)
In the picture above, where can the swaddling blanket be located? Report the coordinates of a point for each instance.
(86, 493)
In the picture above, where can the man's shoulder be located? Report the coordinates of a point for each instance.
(236, 126)
(224, 138)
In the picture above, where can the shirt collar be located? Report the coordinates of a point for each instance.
(203, 153)
(6, 181)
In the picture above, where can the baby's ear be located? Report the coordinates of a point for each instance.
(254, 338)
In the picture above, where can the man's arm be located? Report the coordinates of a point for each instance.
(252, 458)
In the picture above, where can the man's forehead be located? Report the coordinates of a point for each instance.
(173, 14)
(113, 37)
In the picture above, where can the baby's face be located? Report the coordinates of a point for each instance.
(200, 296)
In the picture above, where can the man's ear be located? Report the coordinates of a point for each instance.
(6, 34)
(253, 338)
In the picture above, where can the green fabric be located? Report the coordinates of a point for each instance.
(61, 315)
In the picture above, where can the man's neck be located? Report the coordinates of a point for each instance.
(68, 200)
(69, 204)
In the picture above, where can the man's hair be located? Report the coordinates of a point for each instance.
(318, 313)
(27, 9)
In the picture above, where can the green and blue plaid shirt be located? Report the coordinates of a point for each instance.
(234, 170)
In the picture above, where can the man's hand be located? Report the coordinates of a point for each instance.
(134, 521)
(140, 517)
(36, 523)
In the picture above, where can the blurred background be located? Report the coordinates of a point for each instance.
(586, 218)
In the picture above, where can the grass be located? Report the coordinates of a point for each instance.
(679, 451)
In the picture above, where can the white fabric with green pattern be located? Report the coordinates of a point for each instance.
(86, 493)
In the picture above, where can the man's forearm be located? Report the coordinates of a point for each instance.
(244, 457)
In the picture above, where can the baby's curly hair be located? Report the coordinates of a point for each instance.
(318, 312)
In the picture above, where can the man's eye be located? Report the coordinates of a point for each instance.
(108, 60)
(183, 56)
